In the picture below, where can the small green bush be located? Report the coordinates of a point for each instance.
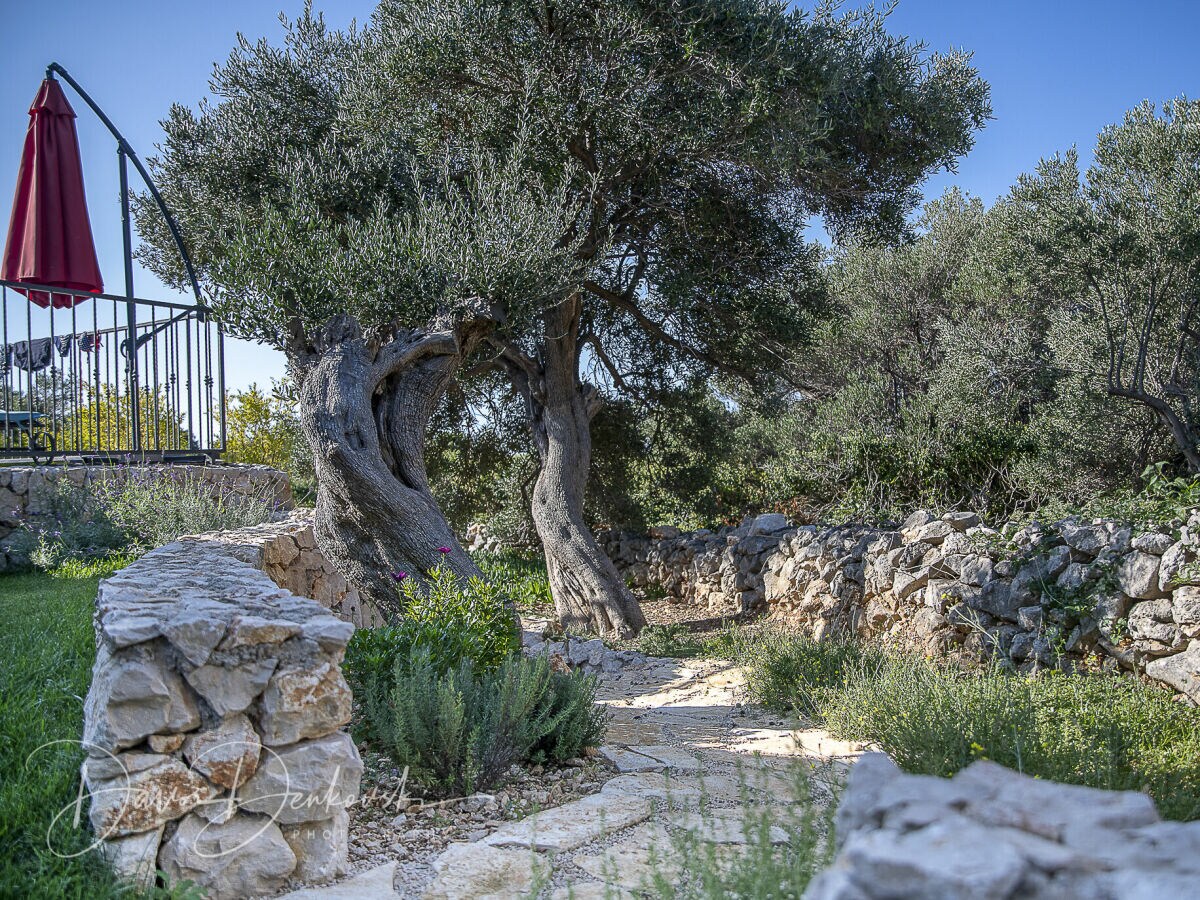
(458, 731)
(450, 619)
(795, 673)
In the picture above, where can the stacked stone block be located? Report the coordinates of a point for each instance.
(1071, 594)
(214, 722)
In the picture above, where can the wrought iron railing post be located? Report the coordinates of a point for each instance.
(130, 342)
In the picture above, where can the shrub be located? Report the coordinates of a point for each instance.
(74, 525)
(795, 673)
(155, 509)
(449, 619)
(139, 512)
(460, 730)
(1105, 732)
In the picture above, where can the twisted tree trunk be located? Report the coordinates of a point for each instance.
(589, 593)
(364, 404)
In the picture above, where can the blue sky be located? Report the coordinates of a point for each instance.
(1059, 69)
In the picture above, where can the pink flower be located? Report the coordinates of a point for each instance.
(443, 550)
(399, 576)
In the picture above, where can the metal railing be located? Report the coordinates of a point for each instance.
(109, 377)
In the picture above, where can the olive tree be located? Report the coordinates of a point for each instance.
(376, 268)
(1121, 242)
(701, 137)
(536, 188)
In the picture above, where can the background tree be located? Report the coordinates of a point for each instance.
(324, 231)
(700, 137)
(1124, 241)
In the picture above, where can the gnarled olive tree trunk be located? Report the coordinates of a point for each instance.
(364, 405)
(589, 593)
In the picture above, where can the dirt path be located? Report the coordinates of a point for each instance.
(694, 759)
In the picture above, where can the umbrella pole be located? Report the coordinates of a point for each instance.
(130, 343)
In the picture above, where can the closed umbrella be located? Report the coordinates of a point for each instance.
(49, 236)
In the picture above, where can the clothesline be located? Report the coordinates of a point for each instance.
(35, 355)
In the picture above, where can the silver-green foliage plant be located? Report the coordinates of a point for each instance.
(458, 731)
(156, 508)
(73, 525)
(133, 513)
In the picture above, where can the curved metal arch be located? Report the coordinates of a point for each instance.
(55, 69)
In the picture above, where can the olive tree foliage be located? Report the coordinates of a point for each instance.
(700, 136)
(375, 263)
(1123, 241)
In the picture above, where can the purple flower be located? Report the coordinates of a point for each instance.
(443, 550)
(399, 576)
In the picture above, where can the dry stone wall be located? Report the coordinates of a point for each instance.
(990, 832)
(25, 490)
(1071, 594)
(214, 723)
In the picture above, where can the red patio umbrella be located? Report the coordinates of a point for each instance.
(49, 236)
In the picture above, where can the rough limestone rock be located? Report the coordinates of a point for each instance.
(144, 800)
(304, 703)
(768, 523)
(1137, 575)
(322, 848)
(992, 833)
(306, 782)
(226, 754)
(231, 689)
(135, 694)
(1181, 671)
(134, 859)
(244, 857)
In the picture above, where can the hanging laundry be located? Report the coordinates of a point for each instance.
(32, 356)
(87, 343)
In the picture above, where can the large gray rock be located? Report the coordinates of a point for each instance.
(306, 782)
(1181, 671)
(134, 694)
(244, 857)
(1137, 575)
(1177, 567)
(304, 703)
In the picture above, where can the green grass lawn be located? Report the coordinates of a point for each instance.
(46, 647)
